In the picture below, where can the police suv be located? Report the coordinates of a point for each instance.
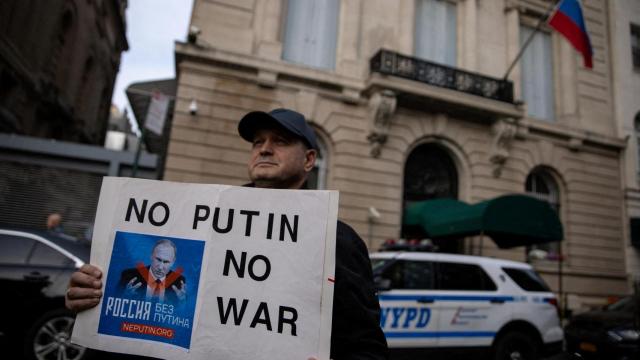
(437, 301)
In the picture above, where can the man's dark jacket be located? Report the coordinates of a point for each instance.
(141, 292)
(355, 330)
(355, 324)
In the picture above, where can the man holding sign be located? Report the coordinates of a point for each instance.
(283, 154)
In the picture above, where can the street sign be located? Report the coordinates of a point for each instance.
(157, 113)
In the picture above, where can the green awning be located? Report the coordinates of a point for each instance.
(510, 220)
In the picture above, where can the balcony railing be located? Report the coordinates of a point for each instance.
(391, 63)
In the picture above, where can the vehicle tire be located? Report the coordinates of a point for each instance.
(516, 346)
(50, 338)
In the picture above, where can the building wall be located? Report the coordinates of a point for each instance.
(235, 67)
(626, 84)
(58, 62)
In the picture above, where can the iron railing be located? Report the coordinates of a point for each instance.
(392, 63)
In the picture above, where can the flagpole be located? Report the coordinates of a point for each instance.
(542, 20)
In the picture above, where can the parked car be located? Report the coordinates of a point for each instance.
(431, 302)
(35, 267)
(610, 333)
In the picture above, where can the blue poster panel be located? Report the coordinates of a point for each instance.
(152, 287)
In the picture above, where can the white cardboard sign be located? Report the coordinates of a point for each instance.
(195, 271)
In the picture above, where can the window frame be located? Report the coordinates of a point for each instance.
(392, 265)
(290, 58)
(76, 261)
(441, 264)
(553, 198)
(524, 277)
(456, 49)
(40, 246)
(24, 256)
(387, 267)
(531, 22)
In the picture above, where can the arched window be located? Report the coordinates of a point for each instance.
(542, 186)
(318, 178)
(430, 173)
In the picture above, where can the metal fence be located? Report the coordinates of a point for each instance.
(39, 177)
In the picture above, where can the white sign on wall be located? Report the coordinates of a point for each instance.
(157, 113)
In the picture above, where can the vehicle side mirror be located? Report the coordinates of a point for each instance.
(382, 284)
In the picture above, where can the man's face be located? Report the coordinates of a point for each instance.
(162, 260)
(279, 160)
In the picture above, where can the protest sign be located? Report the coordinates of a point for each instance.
(195, 271)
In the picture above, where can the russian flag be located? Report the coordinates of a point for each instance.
(568, 20)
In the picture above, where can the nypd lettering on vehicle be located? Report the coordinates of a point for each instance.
(414, 321)
(404, 317)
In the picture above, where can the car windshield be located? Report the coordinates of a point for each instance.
(626, 304)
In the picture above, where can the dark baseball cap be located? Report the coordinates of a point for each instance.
(290, 120)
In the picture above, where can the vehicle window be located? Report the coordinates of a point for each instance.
(378, 264)
(456, 276)
(45, 255)
(626, 304)
(410, 275)
(527, 279)
(15, 249)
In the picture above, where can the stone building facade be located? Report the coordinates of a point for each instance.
(393, 137)
(58, 63)
(625, 35)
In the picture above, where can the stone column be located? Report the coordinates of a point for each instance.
(467, 25)
(269, 15)
(348, 43)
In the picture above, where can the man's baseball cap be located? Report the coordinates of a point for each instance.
(290, 120)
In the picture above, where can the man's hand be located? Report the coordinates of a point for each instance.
(132, 287)
(85, 288)
(181, 292)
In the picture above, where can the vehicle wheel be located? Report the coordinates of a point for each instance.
(516, 346)
(50, 338)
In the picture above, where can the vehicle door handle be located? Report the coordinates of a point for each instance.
(425, 301)
(496, 301)
(36, 276)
